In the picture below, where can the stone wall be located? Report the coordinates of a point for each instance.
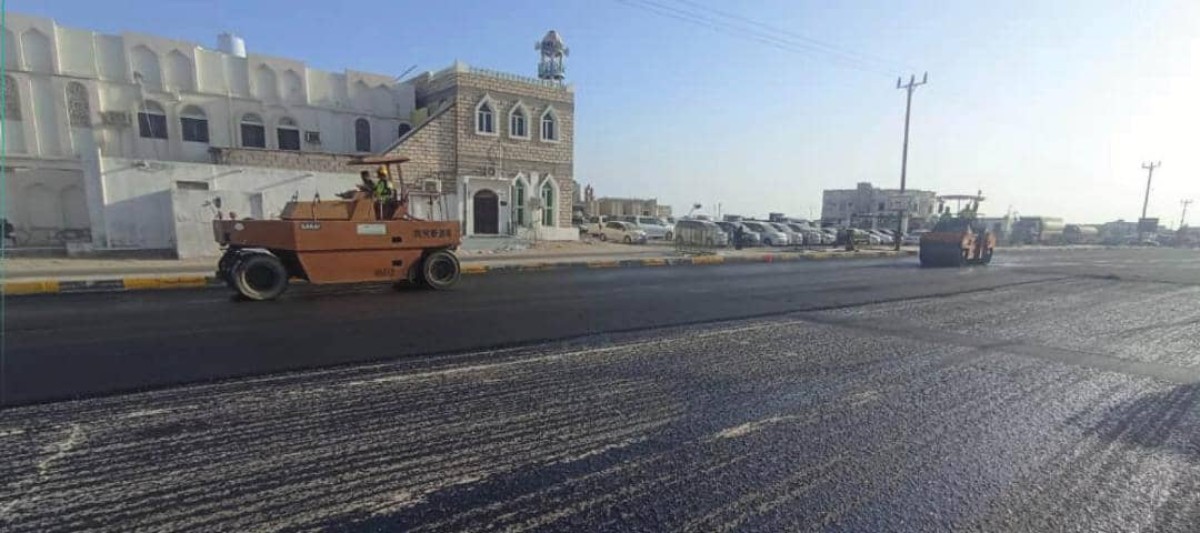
(431, 148)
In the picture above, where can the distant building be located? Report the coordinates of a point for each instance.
(664, 211)
(626, 206)
(867, 206)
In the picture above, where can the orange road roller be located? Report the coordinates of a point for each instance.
(367, 236)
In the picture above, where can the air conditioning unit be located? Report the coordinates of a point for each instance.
(119, 119)
(535, 202)
(312, 137)
(431, 186)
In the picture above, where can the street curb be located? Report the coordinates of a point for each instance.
(126, 284)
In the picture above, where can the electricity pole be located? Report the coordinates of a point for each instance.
(1183, 217)
(909, 88)
(1146, 201)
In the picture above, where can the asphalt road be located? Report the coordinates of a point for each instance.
(1050, 391)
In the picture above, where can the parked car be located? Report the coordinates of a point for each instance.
(749, 237)
(795, 238)
(770, 236)
(913, 238)
(700, 233)
(595, 225)
(812, 236)
(619, 231)
(829, 236)
(654, 228)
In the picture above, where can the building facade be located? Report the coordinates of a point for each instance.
(75, 96)
(644, 207)
(867, 206)
(127, 141)
(500, 149)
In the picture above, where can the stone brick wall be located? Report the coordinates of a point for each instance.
(458, 90)
(311, 161)
(431, 148)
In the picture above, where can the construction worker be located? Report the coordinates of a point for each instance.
(383, 188)
(368, 184)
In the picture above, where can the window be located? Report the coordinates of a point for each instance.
(362, 135)
(549, 125)
(518, 122)
(152, 121)
(12, 102)
(79, 110)
(254, 134)
(519, 201)
(485, 118)
(288, 134)
(403, 130)
(548, 202)
(881, 206)
(194, 124)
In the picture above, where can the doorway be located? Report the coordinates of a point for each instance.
(486, 211)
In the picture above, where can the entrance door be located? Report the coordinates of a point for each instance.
(487, 213)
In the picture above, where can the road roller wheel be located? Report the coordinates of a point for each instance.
(260, 276)
(440, 270)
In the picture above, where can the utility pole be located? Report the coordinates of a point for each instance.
(909, 88)
(1183, 217)
(1146, 201)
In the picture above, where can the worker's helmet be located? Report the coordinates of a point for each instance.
(382, 171)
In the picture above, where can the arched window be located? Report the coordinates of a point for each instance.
(518, 122)
(362, 135)
(485, 117)
(79, 110)
(39, 57)
(12, 101)
(265, 85)
(179, 71)
(550, 125)
(145, 67)
(403, 129)
(549, 203)
(254, 133)
(519, 201)
(288, 134)
(152, 121)
(194, 124)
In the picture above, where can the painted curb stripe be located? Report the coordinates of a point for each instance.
(474, 269)
(30, 287)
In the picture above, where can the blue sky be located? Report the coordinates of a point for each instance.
(1048, 107)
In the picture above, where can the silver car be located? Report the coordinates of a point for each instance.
(770, 235)
(795, 238)
(812, 236)
(655, 228)
(700, 233)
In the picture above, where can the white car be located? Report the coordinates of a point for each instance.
(655, 228)
(770, 235)
(626, 232)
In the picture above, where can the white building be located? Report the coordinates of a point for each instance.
(80, 101)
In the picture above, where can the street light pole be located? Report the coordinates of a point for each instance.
(1183, 217)
(909, 88)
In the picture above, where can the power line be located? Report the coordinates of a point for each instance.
(761, 37)
(832, 48)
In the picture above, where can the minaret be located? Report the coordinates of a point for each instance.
(554, 52)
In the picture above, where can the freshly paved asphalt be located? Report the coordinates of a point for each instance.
(1049, 391)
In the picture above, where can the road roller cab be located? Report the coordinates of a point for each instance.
(366, 236)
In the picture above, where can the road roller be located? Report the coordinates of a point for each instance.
(366, 236)
(957, 241)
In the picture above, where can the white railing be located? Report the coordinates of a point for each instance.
(553, 84)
